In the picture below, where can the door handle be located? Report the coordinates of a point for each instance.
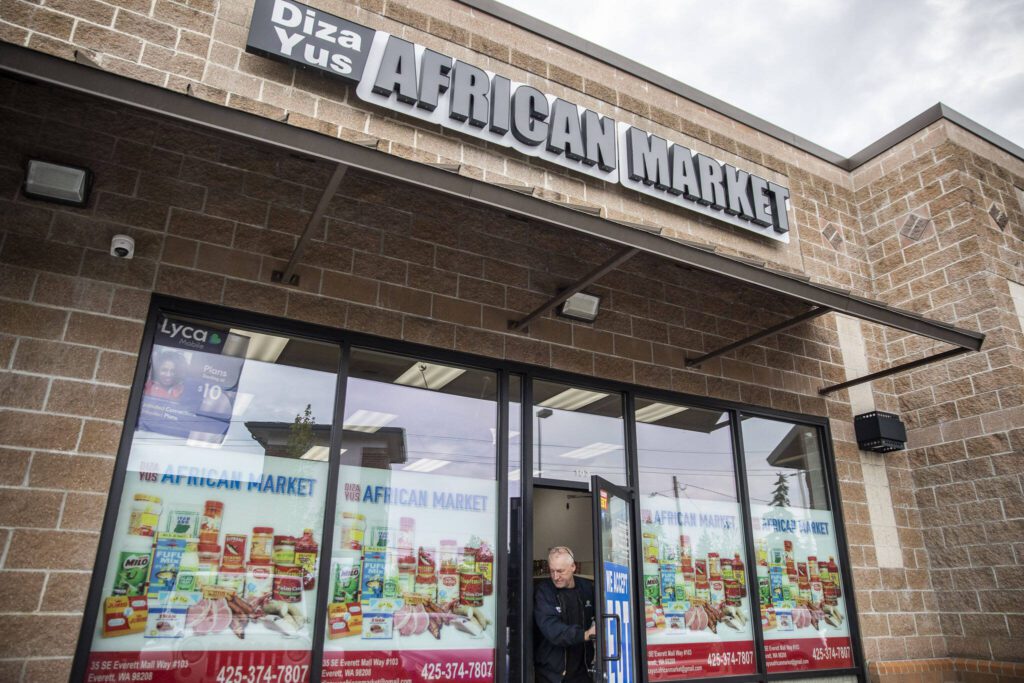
(618, 639)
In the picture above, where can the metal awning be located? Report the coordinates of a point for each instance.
(631, 239)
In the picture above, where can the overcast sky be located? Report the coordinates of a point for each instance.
(841, 73)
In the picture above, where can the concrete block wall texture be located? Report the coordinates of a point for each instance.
(935, 249)
(212, 218)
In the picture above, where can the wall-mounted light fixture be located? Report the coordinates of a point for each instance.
(880, 432)
(59, 183)
(581, 306)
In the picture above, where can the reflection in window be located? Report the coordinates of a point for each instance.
(222, 510)
(577, 433)
(684, 452)
(784, 464)
(694, 559)
(417, 520)
(800, 579)
(419, 417)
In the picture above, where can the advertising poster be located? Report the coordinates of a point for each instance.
(803, 611)
(617, 589)
(412, 594)
(192, 382)
(212, 573)
(695, 590)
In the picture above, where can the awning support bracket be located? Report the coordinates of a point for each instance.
(775, 329)
(288, 276)
(902, 367)
(564, 294)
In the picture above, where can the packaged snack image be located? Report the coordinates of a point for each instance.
(123, 615)
(166, 617)
(379, 619)
(288, 582)
(259, 580)
(133, 568)
(167, 556)
(306, 551)
(232, 578)
(183, 520)
(675, 618)
(145, 515)
(344, 619)
(347, 577)
(785, 619)
(234, 551)
(188, 570)
(373, 573)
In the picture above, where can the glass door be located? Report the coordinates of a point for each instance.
(617, 641)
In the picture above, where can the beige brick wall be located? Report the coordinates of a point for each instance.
(212, 217)
(963, 474)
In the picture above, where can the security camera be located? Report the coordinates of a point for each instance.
(122, 246)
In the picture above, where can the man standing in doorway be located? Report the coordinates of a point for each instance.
(563, 609)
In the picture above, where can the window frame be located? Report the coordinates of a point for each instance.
(346, 340)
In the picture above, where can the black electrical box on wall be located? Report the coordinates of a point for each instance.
(880, 432)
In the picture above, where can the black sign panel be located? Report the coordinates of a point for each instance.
(303, 35)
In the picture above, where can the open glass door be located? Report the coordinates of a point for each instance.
(615, 581)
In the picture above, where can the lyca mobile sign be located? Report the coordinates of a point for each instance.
(416, 81)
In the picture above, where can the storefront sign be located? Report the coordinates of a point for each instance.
(416, 81)
(294, 32)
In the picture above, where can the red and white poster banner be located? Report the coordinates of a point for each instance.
(700, 660)
(409, 666)
(803, 654)
(198, 666)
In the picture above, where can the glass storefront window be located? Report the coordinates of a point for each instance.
(213, 562)
(215, 546)
(577, 433)
(695, 579)
(412, 592)
(803, 612)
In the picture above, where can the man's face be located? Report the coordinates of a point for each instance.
(167, 374)
(561, 568)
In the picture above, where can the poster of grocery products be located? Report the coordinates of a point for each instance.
(212, 568)
(192, 381)
(803, 611)
(695, 589)
(412, 578)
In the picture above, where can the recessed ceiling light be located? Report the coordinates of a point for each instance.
(262, 347)
(425, 465)
(318, 453)
(573, 399)
(657, 411)
(367, 421)
(591, 451)
(429, 375)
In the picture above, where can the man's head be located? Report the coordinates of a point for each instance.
(561, 566)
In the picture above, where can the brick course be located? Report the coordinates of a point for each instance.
(213, 217)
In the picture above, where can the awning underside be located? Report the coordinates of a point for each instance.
(629, 239)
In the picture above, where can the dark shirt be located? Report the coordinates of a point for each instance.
(573, 614)
(562, 615)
